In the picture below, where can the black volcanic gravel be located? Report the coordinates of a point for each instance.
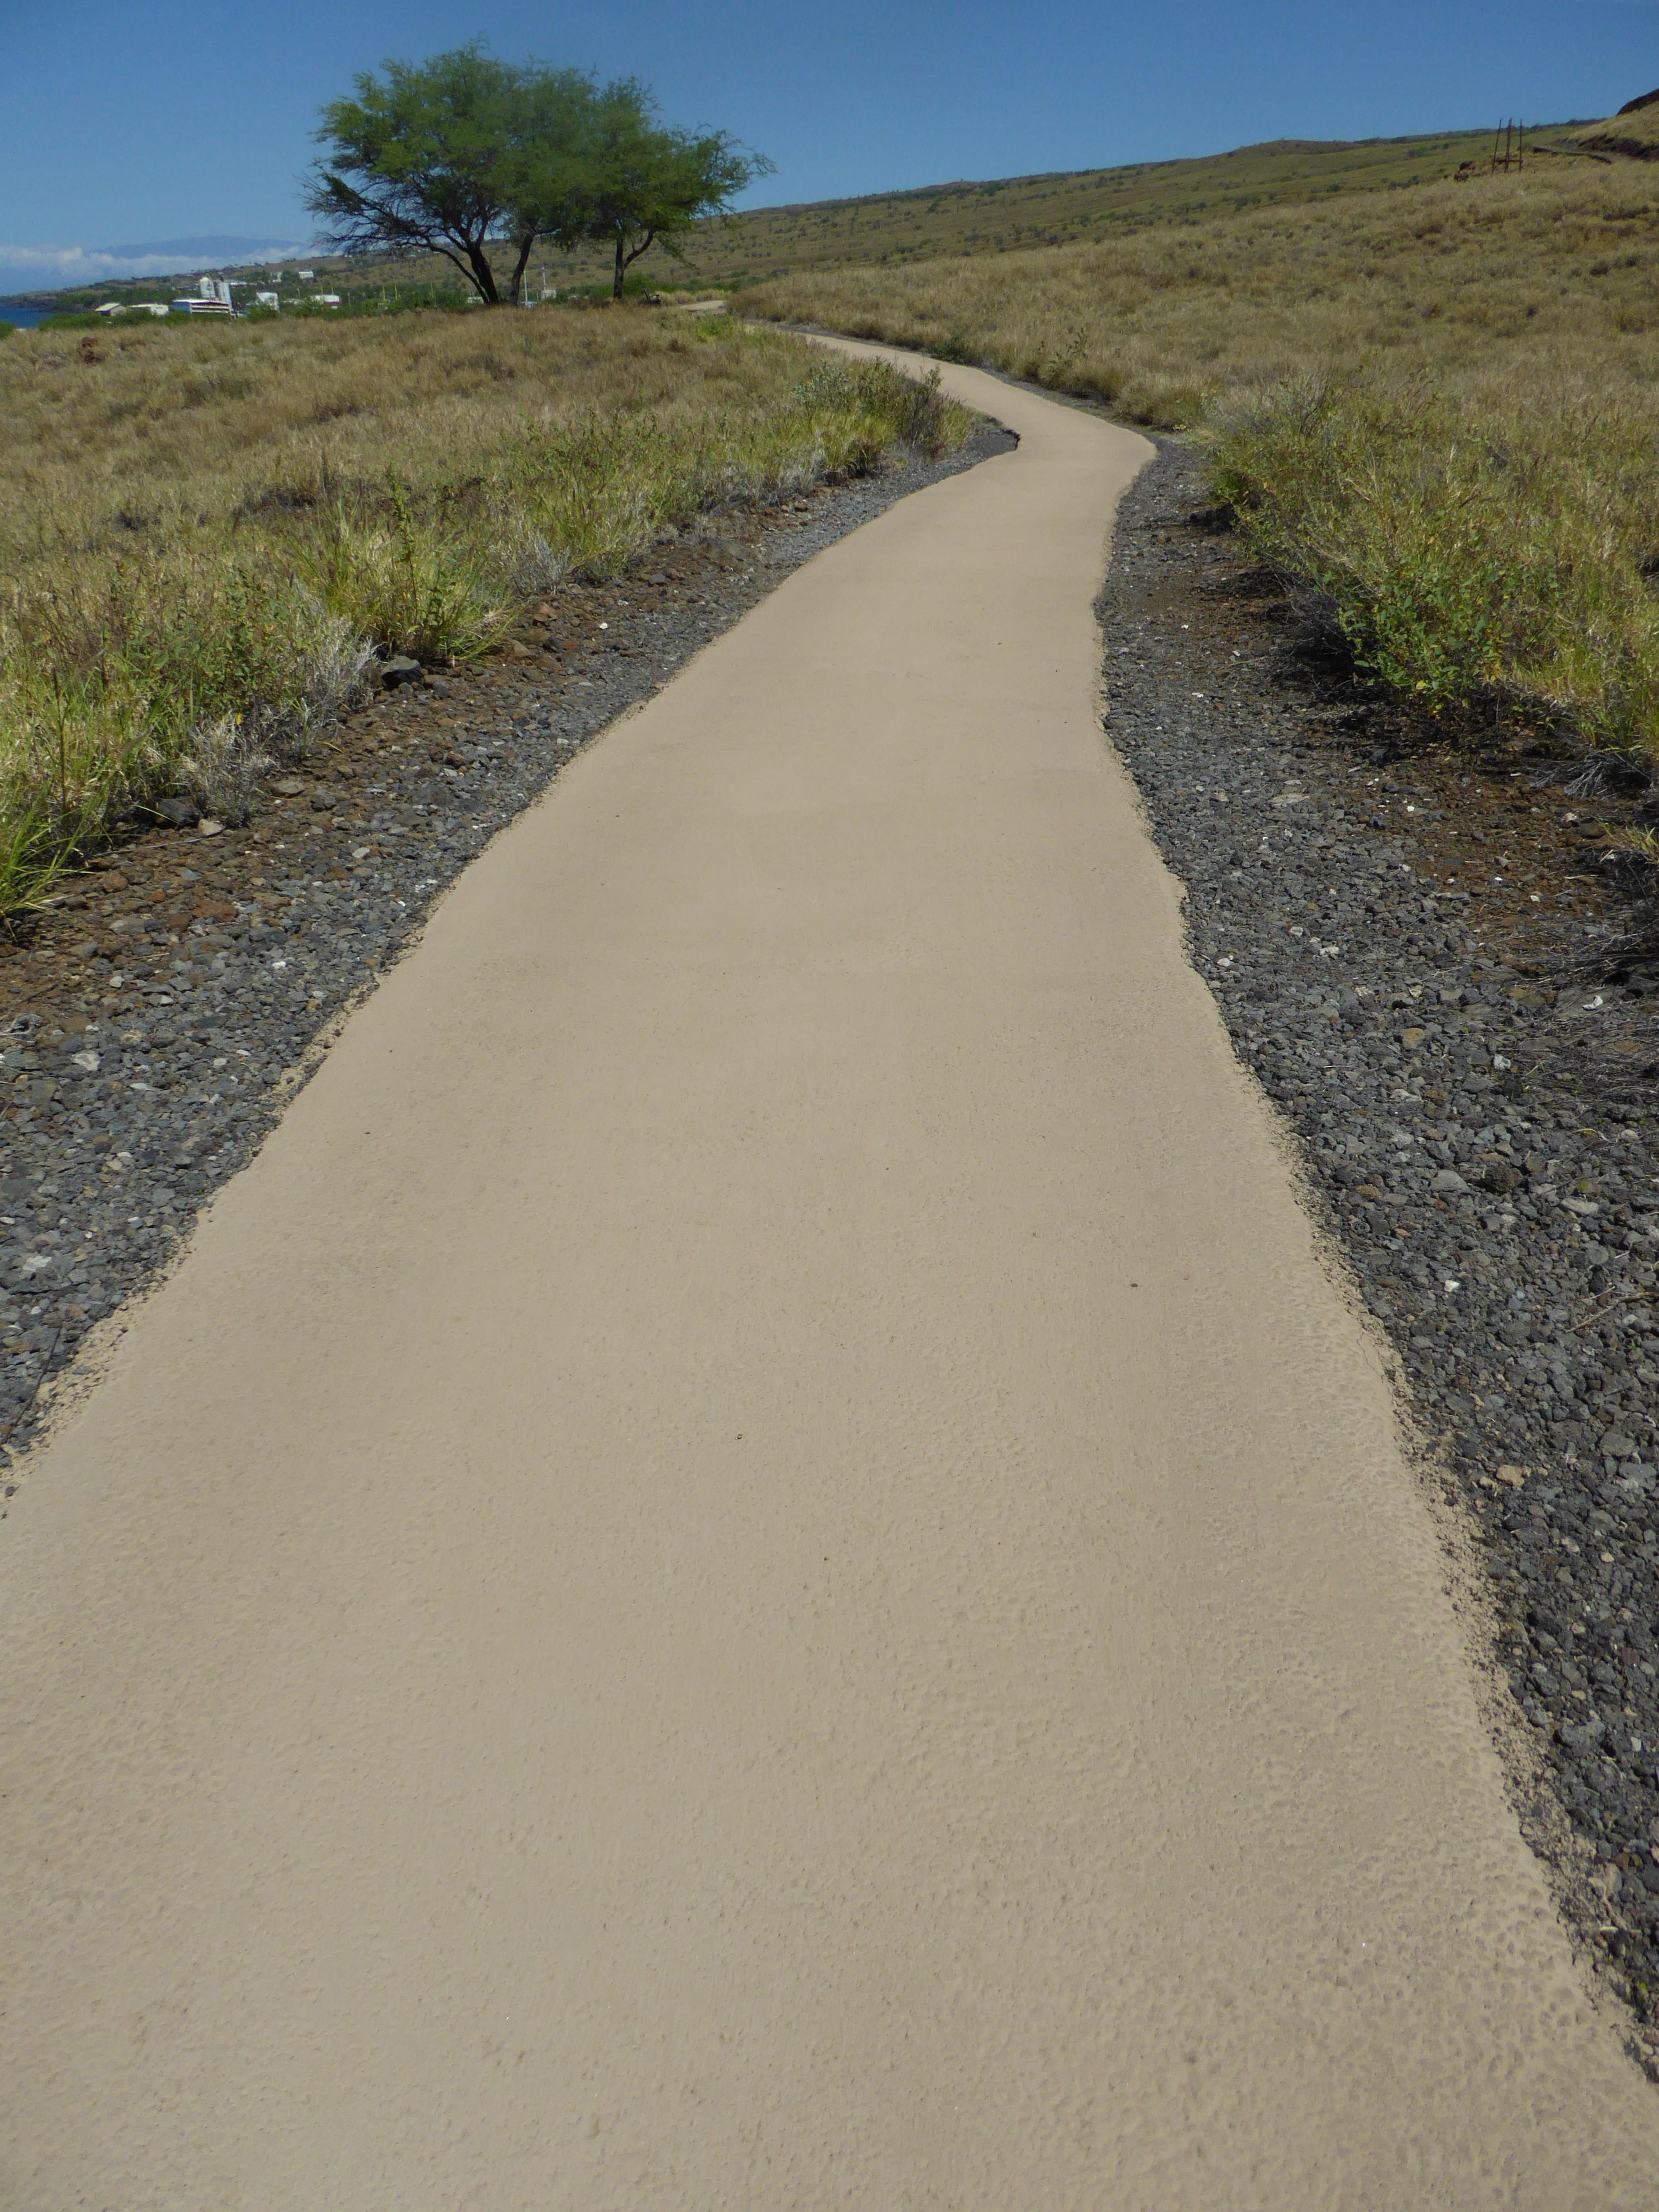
(1490, 1175)
(157, 1023)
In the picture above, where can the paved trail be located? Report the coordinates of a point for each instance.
(753, 1566)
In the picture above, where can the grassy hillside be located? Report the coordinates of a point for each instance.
(1002, 215)
(1558, 266)
(1442, 406)
(1635, 136)
(205, 531)
(1010, 213)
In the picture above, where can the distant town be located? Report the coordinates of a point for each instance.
(324, 285)
(217, 295)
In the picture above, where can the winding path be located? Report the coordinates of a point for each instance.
(755, 1565)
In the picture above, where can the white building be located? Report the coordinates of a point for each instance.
(211, 297)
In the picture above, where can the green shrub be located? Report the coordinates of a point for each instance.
(403, 581)
(897, 408)
(160, 670)
(1492, 541)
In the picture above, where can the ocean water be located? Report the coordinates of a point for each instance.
(22, 318)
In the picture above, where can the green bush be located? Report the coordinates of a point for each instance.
(1490, 542)
(404, 583)
(900, 409)
(118, 682)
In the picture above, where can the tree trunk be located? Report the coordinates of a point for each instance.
(625, 259)
(516, 285)
(483, 275)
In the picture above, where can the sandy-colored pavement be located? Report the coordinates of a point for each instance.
(754, 1565)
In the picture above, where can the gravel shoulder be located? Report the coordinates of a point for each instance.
(1415, 945)
(158, 1018)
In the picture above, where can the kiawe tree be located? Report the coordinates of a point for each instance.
(546, 164)
(447, 155)
(647, 185)
(454, 155)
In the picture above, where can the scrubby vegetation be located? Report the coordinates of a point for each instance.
(204, 536)
(1441, 406)
(1484, 541)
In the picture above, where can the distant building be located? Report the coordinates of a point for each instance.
(211, 297)
(267, 300)
(324, 299)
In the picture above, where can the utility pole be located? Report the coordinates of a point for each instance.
(1508, 147)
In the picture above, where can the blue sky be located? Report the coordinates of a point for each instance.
(123, 122)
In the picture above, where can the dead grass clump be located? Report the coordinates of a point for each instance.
(203, 537)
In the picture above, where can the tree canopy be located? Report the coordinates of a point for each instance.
(646, 185)
(455, 153)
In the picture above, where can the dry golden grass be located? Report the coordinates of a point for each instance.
(205, 532)
(1002, 214)
(1441, 405)
(211, 420)
(1548, 274)
(1636, 134)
